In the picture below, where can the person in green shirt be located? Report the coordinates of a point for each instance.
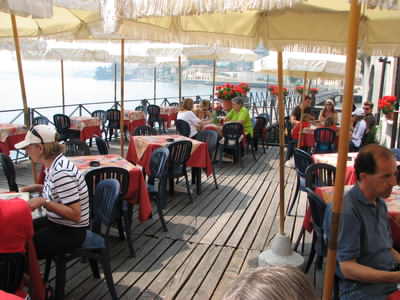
(240, 114)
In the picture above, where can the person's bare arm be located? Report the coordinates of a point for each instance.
(357, 272)
(396, 255)
(71, 212)
(33, 188)
(293, 120)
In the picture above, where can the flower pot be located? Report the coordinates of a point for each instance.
(227, 105)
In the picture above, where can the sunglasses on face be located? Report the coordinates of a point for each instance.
(35, 133)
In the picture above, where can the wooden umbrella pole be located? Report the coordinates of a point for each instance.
(122, 133)
(180, 79)
(281, 147)
(351, 53)
(62, 86)
(20, 71)
(155, 85)
(213, 78)
(302, 110)
(22, 85)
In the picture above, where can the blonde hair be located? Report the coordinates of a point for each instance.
(187, 104)
(271, 283)
(205, 104)
(307, 117)
(52, 150)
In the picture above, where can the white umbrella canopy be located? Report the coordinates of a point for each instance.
(317, 66)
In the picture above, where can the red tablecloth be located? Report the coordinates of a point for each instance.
(137, 190)
(9, 143)
(331, 159)
(307, 137)
(168, 117)
(133, 124)
(199, 158)
(88, 126)
(392, 202)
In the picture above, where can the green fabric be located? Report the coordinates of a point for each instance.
(370, 137)
(242, 115)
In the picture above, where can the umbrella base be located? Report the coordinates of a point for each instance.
(280, 253)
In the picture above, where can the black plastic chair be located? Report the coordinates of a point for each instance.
(139, 108)
(317, 206)
(102, 116)
(220, 113)
(174, 104)
(93, 177)
(113, 117)
(102, 146)
(12, 267)
(40, 120)
(144, 131)
(158, 193)
(9, 172)
(260, 132)
(231, 132)
(316, 175)
(179, 154)
(182, 127)
(153, 112)
(76, 148)
(63, 124)
(324, 140)
(266, 117)
(95, 246)
(211, 138)
(302, 160)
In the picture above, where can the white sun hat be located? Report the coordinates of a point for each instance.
(39, 134)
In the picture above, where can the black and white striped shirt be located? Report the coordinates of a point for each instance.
(65, 184)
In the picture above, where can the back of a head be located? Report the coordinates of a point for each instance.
(187, 104)
(272, 283)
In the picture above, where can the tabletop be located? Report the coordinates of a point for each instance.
(7, 130)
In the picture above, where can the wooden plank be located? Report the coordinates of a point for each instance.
(189, 289)
(231, 273)
(214, 275)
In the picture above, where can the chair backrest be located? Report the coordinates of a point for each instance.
(324, 139)
(76, 148)
(158, 163)
(302, 160)
(260, 126)
(174, 104)
(266, 117)
(220, 113)
(100, 114)
(61, 122)
(113, 115)
(9, 172)
(12, 267)
(153, 111)
(106, 204)
(101, 145)
(144, 130)
(139, 108)
(211, 138)
(317, 206)
(182, 127)
(93, 178)
(232, 132)
(40, 120)
(179, 154)
(319, 175)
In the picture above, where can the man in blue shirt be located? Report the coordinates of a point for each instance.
(367, 260)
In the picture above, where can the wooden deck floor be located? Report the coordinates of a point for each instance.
(209, 242)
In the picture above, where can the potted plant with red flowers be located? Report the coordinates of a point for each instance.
(300, 89)
(274, 89)
(387, 105)
(228, 91)
(314, 91)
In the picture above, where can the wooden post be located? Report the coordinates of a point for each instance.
(62, 86)
(281, 146)
(302, 110)
(122, 133)
(20, 71)
(180, 79)
(115, 85)
(213, 78)
(155, 85)
(351, 53)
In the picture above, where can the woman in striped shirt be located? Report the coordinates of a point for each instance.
(64, 195)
